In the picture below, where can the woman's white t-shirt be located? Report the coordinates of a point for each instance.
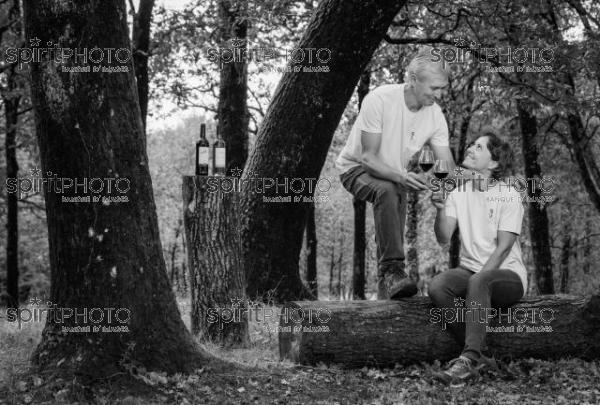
(480, 215)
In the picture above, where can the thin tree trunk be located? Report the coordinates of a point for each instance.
(591, 35)
(564, 263)
(454, 250)
(11, 105)
(12, 99)
(360, 208)
(294, 138)
(233, 85)
(539, 232)
(340, 261)
(104, 255)
(141, 52)
(587, 249)
(331, 268)
(412, 235)
(311, 255)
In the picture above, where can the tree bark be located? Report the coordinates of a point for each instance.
(311, 255)
(359, 278)
(214, 257)
(233, 85)
(294, 138)
(107, 254)
(331, 268)
(539, 232)
(577, 141)
(360, 208)
(412, 235)
(564, 263)
(587, 248)
(469, 95)
(141, 52)
(11, 99)
(454, 250)
(384, 333)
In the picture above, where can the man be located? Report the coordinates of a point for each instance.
(394, 122)
(489, 214)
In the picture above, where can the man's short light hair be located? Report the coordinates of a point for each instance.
(424, 61)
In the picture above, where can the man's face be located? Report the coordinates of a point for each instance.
(428, 86)
(478, 156)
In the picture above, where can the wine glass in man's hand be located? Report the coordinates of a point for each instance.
(426, 159)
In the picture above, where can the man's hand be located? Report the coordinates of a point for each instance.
(437, 199)
(414, 181)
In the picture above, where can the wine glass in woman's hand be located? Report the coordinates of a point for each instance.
(441, 169)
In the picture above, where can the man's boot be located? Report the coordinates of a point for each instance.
(393, 283)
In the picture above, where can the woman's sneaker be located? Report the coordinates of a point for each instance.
(487, 363)
(458, 370)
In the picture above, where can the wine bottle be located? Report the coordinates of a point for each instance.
(202, 150)
(219, 156)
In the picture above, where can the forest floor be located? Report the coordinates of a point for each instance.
(255, 375)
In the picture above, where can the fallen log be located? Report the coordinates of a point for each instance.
(385, 333)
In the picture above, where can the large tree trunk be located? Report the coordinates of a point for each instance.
(141, 48)
(295, 135)
(384, 333)
(360, 208)
(577, 141)
(214, 256)
(233, 85)
(539, 232)
(103, 255)
(311, 255)
(11, 100)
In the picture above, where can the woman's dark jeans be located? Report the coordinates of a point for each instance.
(485, 289)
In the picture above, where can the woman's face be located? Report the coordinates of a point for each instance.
(478, 156)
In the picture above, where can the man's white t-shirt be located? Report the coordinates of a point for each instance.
(403, 132)
(480, 215)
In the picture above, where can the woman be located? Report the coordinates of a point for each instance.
(489, 214)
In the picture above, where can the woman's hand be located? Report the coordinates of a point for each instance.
(438, 199)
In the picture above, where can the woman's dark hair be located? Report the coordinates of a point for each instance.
(502, 153)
